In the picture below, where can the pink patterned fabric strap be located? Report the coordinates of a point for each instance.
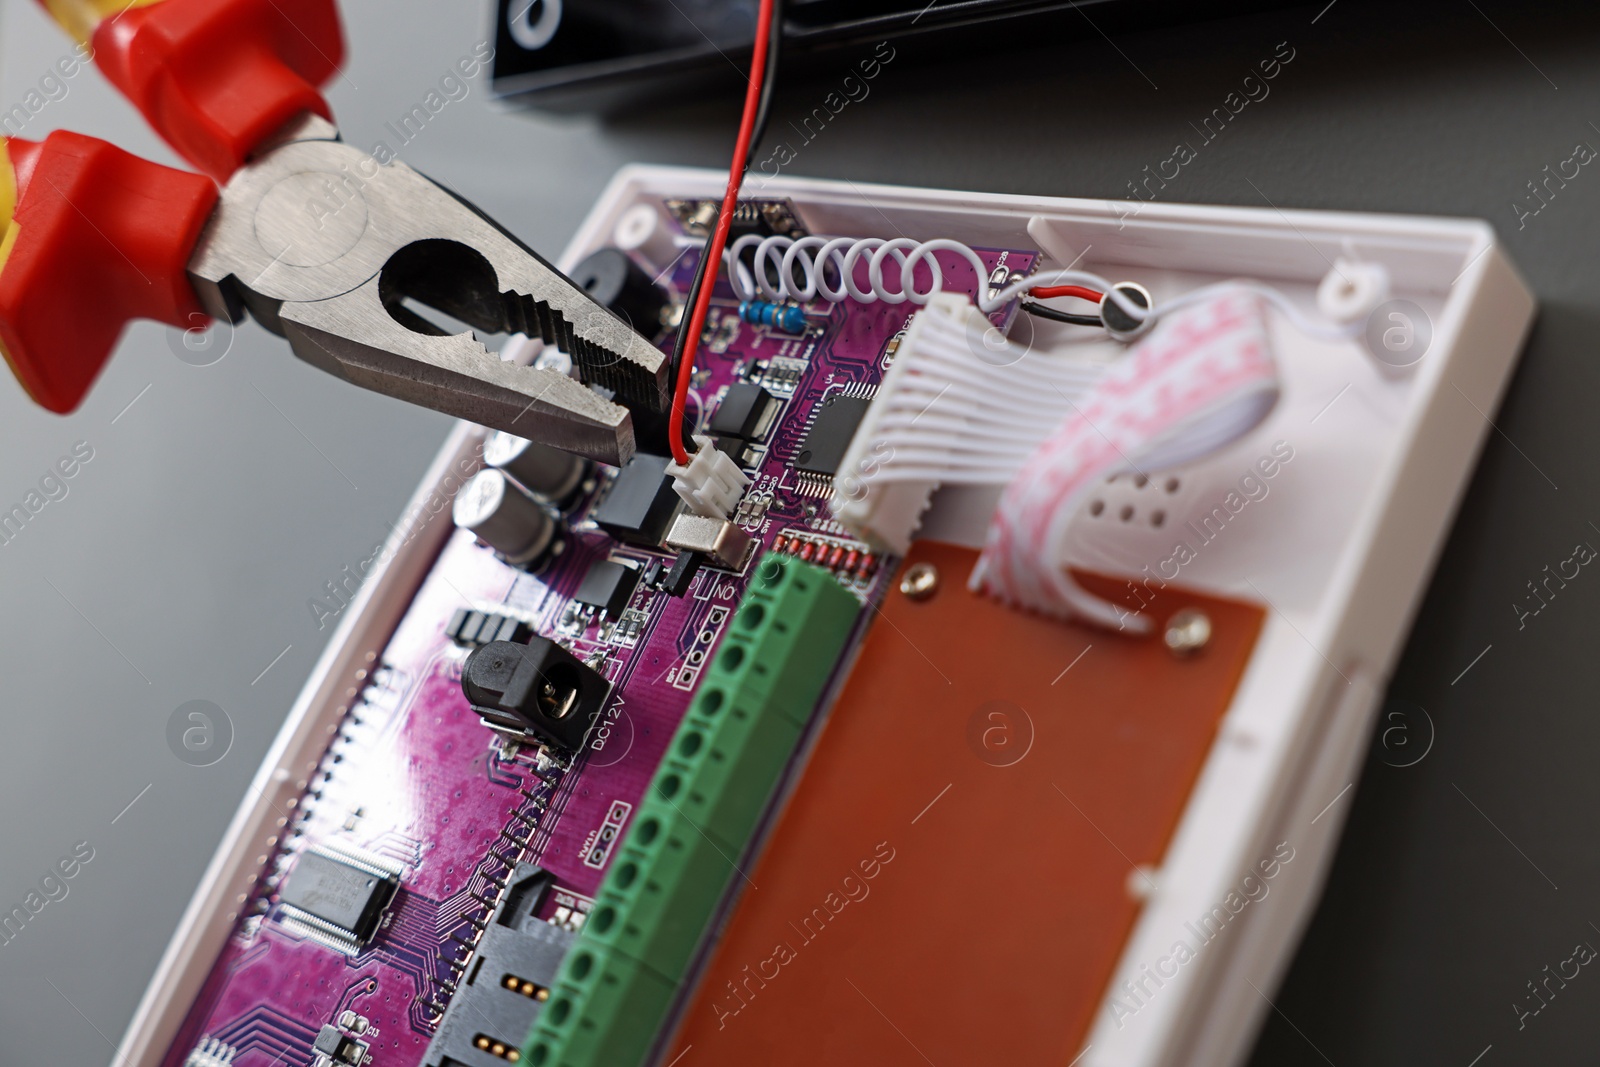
(1204, 377)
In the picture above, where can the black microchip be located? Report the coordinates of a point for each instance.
(640, 503)
(835, 424)
(608, 586)
(346, 897)
(733, 448)
(743, 412)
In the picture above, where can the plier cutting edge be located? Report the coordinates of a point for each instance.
(315, 239)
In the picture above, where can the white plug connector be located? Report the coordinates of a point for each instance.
(711, 484)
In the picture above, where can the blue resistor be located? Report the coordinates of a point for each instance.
(785, 317)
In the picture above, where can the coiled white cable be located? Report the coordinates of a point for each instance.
(800, 269)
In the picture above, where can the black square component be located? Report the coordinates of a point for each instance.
(836, 421)
(608, 586)
(348, 898)
(640, 503)
(745, 412)
(732, 447)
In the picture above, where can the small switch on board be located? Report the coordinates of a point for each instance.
(719, 540)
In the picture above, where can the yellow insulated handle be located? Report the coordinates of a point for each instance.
(8, 203)
(80, 17)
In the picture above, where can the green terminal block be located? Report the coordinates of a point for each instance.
(719, 771)
(696, 818)
(604, 1009)
(661, 890)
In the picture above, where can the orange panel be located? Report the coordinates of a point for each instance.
(949, 881)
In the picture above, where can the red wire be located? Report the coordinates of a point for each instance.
(719, 237)
(1047, 291)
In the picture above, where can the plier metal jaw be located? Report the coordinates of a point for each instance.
(322, 243)
(314, 238)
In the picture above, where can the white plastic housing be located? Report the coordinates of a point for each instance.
(711, 483)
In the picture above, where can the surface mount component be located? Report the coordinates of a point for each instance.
(640, 502)
(719, 540)
(468, 627)
(506, 518)
(324, 245)
(212, 1052)
(607, 586)
(824, 447)
(338, 895)
(703, 704)
(338, 1046)
(764, 217)
(538, 689)
(746, 412)
(734, 448)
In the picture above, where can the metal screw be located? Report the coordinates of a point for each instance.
(920, 581)
(1188, 631)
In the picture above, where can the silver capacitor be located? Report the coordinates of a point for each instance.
(548, 473)
(505, 517)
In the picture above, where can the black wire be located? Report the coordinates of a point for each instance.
(759, 129)
(1034, 308)
(768, 82)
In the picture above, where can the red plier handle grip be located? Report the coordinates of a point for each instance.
(213, 77)
(90, 236)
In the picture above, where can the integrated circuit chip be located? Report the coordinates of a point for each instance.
(746, 412)
(607, 586)
(337, 895)
(836, 421)
(640, 502)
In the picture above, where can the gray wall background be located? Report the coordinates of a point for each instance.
(221, 498)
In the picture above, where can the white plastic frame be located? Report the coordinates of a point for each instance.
(1341, 561)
